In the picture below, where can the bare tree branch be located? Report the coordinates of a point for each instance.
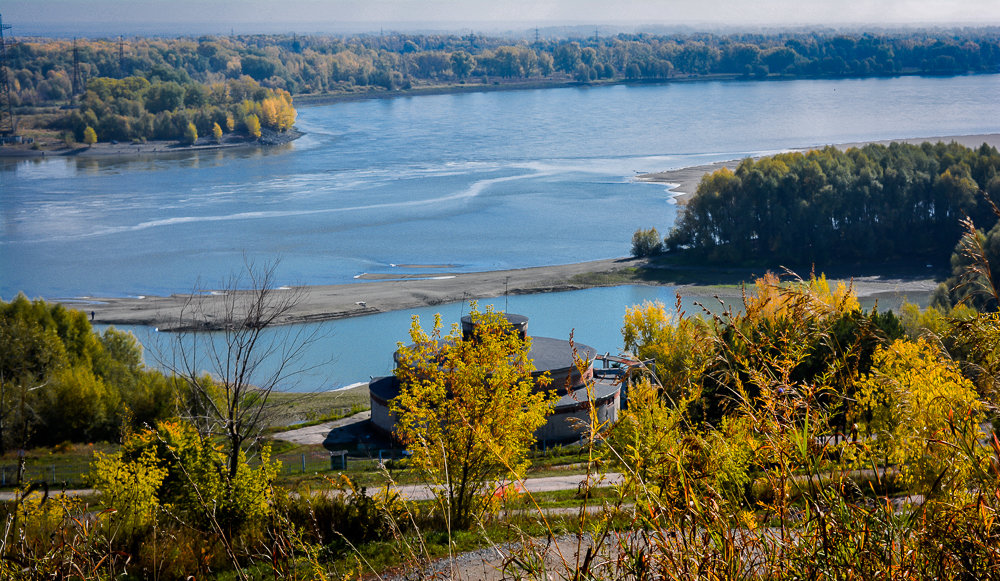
(231, 372)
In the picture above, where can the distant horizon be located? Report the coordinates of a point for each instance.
(59, 30)
(108, 18)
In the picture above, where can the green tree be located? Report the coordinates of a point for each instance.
(462, 64)
(468, 409)
(89, 136)
(646, 243)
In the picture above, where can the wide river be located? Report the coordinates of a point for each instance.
(477, 181)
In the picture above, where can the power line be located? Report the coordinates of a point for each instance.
(77, 88)
(7, 123)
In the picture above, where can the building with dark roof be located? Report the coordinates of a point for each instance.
(554, 356)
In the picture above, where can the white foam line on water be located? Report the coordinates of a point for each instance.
(474, 190)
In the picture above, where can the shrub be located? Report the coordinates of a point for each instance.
(646, 243)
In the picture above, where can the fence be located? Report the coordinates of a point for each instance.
(74, 474)
(55, 475)
(336, 461)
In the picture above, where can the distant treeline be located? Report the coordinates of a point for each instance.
(831, 206)
(42, 71)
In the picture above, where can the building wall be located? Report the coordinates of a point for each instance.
(568, 426)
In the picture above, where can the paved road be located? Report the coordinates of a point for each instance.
(344, 430)
(533, 485)
(425, 492)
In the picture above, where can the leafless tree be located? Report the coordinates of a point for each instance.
(233, 351)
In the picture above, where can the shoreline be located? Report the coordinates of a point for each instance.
(107, 150)
(685, 180)
(378, 293)
(320, 303)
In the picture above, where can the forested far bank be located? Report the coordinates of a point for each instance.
(43, 70)
(185, 75)
(863, 205)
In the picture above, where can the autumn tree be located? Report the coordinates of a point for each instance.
(216, 132)
(89, 136)
(918, 405)
(190, 134)
(252, 123)
(468, 409)
(679, 346)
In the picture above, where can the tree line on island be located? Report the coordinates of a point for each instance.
(43, 73)
(136, 109)
(872, 204)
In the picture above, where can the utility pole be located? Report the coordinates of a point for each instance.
(77, 88)
(121, 56)
(7, 124)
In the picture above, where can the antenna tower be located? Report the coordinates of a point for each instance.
(77, 88)
(121, 56)
(7, 125)
(536, 35)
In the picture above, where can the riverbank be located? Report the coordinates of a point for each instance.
(104, 149)
(684, 181)
(330, 302)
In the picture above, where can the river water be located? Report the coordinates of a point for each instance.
(479, 181)
(475, 181)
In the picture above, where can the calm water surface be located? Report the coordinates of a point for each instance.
(478, 181)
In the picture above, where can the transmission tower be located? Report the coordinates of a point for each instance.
(77, 89)
(121, 56)
(7, 125)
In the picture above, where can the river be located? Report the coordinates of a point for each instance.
(479, 181)
(476, 181)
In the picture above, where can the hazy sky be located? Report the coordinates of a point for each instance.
(320, 15)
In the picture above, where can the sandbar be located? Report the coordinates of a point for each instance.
(330, 302)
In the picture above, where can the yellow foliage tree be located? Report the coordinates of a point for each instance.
(253, 125)
(681, 347)
(920, 409)
(89, 136)
(174, 467)
(812, 298)
(468, 410)
(269, 113)
(216, 132)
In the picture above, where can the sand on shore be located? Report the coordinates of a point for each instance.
(330, 302)
(685, 180)
(129, 149)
